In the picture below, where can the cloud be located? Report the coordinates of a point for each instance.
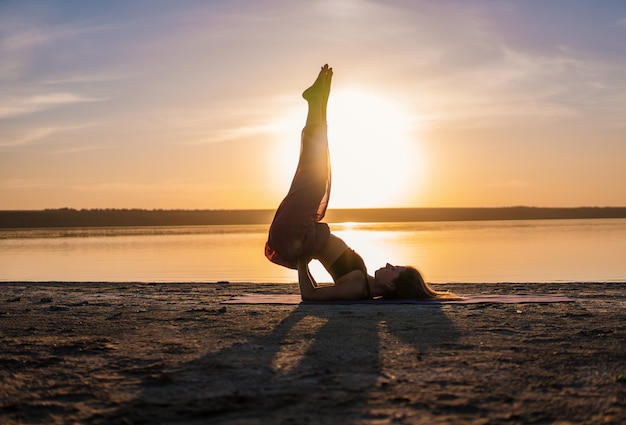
(27, 36)
(31, 135)
(25, 40)
(228, 134)
(35, 103)
(483, 76)
(225, 120)
(81, 78)
(52, 99)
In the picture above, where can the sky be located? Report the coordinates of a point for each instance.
(197, 104)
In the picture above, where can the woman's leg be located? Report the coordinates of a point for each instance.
(314, 162)
(296, 231)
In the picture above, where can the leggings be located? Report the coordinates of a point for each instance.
(296, 231)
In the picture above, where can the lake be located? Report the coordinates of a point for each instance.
(461, 251)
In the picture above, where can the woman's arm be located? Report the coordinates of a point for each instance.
(306, 281)
(352, 286)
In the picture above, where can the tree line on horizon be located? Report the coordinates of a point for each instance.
(69, 217)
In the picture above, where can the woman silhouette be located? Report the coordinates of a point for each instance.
(297, 234)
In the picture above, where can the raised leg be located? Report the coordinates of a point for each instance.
(296, 230)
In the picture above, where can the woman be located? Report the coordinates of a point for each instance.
(297, 234)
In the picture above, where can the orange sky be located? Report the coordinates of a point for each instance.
(186, 104)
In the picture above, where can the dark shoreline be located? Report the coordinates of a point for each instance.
(68, 217)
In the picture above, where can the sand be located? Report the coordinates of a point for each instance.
(111, 353)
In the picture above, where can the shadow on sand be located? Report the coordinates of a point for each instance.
(319, 364)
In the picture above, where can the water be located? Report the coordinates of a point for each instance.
(484, 251)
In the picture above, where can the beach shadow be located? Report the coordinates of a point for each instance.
(319, 364)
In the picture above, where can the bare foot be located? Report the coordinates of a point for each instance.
(320, 89)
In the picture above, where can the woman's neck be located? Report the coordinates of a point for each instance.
(376, 289)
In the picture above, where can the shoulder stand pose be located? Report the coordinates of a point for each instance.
(297, 234)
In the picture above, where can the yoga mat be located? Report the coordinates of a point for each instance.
(466, 299)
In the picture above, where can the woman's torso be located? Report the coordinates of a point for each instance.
(342, 262)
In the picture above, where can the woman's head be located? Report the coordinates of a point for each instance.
(406, 283)
(386, 277)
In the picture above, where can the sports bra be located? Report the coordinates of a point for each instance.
(347, 262)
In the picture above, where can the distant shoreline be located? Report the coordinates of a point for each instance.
(67, 217)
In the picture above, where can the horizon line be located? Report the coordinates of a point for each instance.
(329, 208)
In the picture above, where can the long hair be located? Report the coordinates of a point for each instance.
(409, 285)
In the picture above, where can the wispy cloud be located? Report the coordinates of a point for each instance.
(32, 135)
(53, 99)
(95, 77)
(35, 103)
(26, 36)
(24, 39)
(234, 133)
(225, 121)
(511, 83)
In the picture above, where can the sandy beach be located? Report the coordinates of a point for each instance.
(111, 353)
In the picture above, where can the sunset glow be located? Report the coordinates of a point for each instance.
(374, 152)
(198, 104)
(374, 149)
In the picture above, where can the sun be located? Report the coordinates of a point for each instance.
(374, 153)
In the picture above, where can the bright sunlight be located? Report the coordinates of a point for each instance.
(374, 152)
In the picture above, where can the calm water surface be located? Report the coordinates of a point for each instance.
(485, 251)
